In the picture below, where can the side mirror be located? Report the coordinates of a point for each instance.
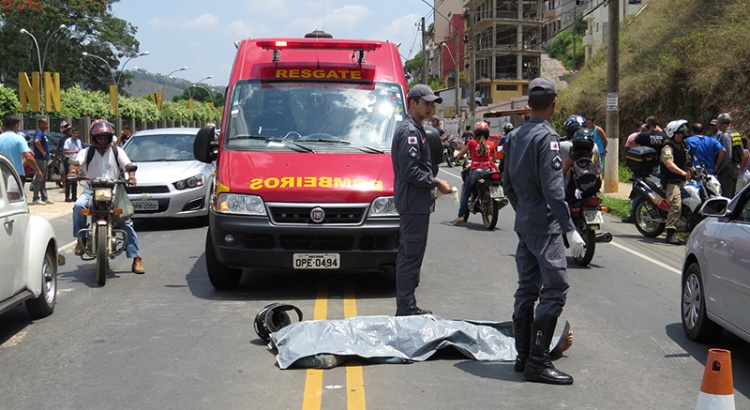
(716, 207)
(205, 145)
(131, 168)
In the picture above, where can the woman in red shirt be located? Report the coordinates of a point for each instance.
(482, 160)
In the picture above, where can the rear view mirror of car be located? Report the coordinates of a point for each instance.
(205, 144)
(716, 207)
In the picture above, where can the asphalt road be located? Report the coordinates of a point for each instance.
(167, 340)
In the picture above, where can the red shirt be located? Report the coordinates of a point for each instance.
(477, 161)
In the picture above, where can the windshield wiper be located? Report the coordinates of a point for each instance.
(367, 148)
(287, 144)
(254, 137)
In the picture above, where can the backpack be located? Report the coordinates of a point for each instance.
(585, 177)
(90, 156)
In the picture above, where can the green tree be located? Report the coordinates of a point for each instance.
(91, 27)
(8, 102)
(78, 103)
(569, 42)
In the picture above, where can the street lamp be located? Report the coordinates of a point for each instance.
(40, 60)
(111, 72)
(198, 82)
(122, 68)
(168, 77)
(455, 70)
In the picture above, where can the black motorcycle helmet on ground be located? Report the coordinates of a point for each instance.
(272, 318)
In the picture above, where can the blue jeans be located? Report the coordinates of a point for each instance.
(79, 222)
(463, 207)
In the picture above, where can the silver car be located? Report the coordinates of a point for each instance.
(716, 271)
(171, 182)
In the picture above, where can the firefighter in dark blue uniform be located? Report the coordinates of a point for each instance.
(533, 182)
(414, 187)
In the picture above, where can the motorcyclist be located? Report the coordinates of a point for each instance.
(482, 160)
(572, 124)
(583, 145)
(109, 162)
(507, 128)
(674, 173)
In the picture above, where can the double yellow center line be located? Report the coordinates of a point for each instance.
(355, 384)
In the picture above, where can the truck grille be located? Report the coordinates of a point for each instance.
(300, 214)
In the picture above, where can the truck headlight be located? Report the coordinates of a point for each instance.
(383, 206)
(103, 194)
(240, 204)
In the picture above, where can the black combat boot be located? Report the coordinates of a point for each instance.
(522, 332)
(671, 239)
(539, 367)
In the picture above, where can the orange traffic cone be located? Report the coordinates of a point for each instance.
(717, 391)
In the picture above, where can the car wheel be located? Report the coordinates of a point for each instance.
(695, 322)
(220, 275)
(44, 304)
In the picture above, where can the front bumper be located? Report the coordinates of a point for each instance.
(257, 243)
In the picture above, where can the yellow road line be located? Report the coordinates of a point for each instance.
(314, 379)
(355, 382)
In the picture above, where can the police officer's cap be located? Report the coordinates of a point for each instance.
(424, 92)
(542, 86)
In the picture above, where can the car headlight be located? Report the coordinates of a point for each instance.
(192, 182)
(103, 194)
(383, 206)
(240, 204)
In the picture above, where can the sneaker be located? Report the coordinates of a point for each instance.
(138, 266)
(37, 202)
(49, 201)
(68, 200)
(627, 220)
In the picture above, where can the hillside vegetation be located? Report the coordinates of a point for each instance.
(678, 59)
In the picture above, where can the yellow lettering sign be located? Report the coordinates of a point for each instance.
(319, 74)
(316, 182)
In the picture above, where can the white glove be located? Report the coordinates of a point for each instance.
(579, 193)
(577, 245)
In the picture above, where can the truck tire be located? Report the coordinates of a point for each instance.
(220, 275)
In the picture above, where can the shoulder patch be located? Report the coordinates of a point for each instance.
(412, 151)
(557, 163)
(554, 146)
(412, 140)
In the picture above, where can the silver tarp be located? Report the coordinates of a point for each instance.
(411, 338)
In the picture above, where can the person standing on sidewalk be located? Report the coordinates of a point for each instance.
(533, 182)
(726, 172)
(71, 148)
(42, 157)
(14, 147)
(600, 139)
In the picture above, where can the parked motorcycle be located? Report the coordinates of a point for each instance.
(102, 241)
(449, 148)
(587, 218)
(487, 195)
(651, 206)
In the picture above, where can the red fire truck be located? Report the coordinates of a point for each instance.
(304, 179)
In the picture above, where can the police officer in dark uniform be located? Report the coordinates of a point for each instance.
(414, 185)
(533, 182)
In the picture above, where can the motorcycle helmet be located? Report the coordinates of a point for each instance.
(573, 124)
(272, 318)
(508, 127)
(583, 141)
(724, 118)
(482, 128)
(101, 127)
(676, 126)
(434, 142)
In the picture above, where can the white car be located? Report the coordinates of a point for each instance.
(28, 250)
(716, 271)
(171, 182)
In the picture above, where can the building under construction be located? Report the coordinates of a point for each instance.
(504, 43)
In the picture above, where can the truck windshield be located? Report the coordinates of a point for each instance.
(322, 116)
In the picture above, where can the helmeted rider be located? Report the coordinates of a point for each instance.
(109, 162)
(582, 146)
(482, 160)
(674, 173)
(507, 128)
(572, 124)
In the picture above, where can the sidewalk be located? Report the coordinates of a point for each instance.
(50, 211)
(622, 193)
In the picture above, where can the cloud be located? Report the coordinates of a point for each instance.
(268, 7)
(160, 23)
(240, 29)
(205, 20)
(402, 27)
(342, 18)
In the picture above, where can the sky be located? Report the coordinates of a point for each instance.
(200, 34)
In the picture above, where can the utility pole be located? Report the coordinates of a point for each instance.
(472, 70)
(613, 113)
(456, 62)
(424, 53)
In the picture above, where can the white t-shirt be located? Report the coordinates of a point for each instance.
(103, 165)
(72, 145)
